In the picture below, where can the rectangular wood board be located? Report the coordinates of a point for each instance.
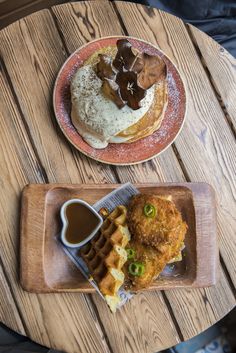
(44, 267)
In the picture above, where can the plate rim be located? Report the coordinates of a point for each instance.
(98, 159)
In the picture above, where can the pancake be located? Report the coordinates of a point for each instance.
(139, 123)
(151, 121)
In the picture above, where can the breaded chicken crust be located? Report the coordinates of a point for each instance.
(166, 228)
(156, 240)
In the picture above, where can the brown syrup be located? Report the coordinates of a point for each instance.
(81, 222)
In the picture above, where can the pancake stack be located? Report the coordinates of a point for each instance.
(144, 124)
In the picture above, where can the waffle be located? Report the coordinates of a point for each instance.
(105, 255)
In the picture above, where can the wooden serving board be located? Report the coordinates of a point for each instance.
(44, 266)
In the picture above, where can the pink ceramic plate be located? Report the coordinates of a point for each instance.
(121, 154)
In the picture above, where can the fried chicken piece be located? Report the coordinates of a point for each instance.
(155, 240)
(153, 263)
(166, 229)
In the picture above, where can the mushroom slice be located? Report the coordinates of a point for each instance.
(154, 70)
(112, 91)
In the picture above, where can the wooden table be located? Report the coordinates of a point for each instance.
(33, 150)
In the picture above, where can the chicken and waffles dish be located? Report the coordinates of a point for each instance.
(134, 245)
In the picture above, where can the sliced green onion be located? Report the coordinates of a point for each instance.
(149, 210)
(136, 268)
(130, 253)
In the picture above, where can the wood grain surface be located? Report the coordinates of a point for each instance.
(221, 69)
(33, 150)
(11, 10)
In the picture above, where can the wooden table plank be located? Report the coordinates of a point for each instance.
(198, 309)
(142, 325)
(82, 22)
(222, 69)
(48, 319)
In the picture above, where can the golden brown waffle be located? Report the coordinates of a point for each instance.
(105, 254)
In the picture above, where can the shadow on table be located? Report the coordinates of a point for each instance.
(11, 342)
(216, 18)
